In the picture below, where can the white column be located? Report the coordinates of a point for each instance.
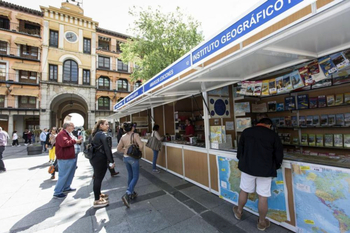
(10, 125)
(61, 37)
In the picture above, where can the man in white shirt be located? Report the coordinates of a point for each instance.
(3, 143)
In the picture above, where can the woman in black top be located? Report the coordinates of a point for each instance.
(101, 160)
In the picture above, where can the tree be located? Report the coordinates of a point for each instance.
(159, 40)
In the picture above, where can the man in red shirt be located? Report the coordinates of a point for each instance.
(66, 159)
(189, 130)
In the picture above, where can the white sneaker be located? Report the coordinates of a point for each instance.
(18, 145)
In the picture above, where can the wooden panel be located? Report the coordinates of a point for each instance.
(321, 3)
(161, 157)
(169, 118)
(290, 19)
(289, 184)
(175, 160)
(213, 173)
(124, 119)
(196, 167)
(149, 154)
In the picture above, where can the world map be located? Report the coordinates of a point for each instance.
(229, 180)
(322, 198)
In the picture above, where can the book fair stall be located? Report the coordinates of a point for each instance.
(287, 60)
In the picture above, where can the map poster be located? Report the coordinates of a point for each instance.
(321, 197)
(229, 180)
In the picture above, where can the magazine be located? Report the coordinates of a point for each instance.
(338, 140)
(327, 65)
(288, 121)
(339, 119)
(323, 83)
(243, 123)
(347, 98)
(286, 138)
(258, 108)
(303, 140)
(309, 120)
(287, 83)
(347, 140)
(315, 71)
(316, 120)
(302, 121)
(341, 77)
(295, 140)
(265, 88)
(319, 140)
(303, 101)
(294, 121)
(339, 60)
(241, 108)
(331, 120)
(280, 85)
(324, 120)
(339, 99)
(330, 100)
(296, 80)
(328, 140)
(347, 119)
(282, 123)
(250, 88)
(257, 88)
(322, 101)
(280, 107)
(271, 106)
(305, 76)
(275, 121)
(272, 86)
(289, 103)
(312, 141)
(313, 102)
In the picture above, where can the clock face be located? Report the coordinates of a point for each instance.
(71, 37)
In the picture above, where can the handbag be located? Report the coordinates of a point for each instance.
(51, 169)
(134, 150)
(154, 143)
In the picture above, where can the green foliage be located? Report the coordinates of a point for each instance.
(159, 40)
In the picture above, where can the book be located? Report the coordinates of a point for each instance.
(331, 120)
(327, 65)
(313, 102)
(339, 119)
(297, 81)
(303, 101)
(243, 123)
(272, 86)
(347, 98)
(287, 83)
(339, 99)
(309, 120)
(330, 100)
(347, 140)
(282, 123)
(305, 76)
(265, 88)
(341, 77)
(322, 101)
(324, 120)
(289, 103)
(280, 85)
(259, 107)
(288, 121)
(275, 121)
(338, 140)
(294, 121)
(303, 140)
(295, 141)
(347, 119)
(316, 120)
(250, 88)
(319, 139)
(280, 107)
(302, 121)
(271, 106)
(323, 83)
(286, 138)
(328, 140)
(257, 88)
(311, 139)
(339, 60)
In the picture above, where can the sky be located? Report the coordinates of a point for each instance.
(113, 15)
(77, 119)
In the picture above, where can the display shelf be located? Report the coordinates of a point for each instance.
(327, 147)
(311, 127)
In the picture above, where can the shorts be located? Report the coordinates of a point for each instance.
(263, 184)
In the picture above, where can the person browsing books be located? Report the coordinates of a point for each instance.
(189, 130)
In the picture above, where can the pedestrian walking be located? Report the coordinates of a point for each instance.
(15, 138)
(3, 143)
(43, 139)
(156, 152)
(29, 137)
(24, 136)
(132, 165)
(66, 160)
(260, 154)
(101, 159)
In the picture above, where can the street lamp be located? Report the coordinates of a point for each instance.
(8, 85)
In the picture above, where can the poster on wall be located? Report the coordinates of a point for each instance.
(229, 181)
(219, 107)
(217, 134)
(242, 123)
(241, 108)
(322, 197)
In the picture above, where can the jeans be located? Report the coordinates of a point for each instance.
(66, 171)
(132, 165)
(155, 157)
(43, 145)
(2, 165)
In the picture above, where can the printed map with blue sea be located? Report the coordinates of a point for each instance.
(322, 198)
(229, 180)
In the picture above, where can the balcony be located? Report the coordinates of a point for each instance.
(24, 78)
(14, 52)
(23, 28)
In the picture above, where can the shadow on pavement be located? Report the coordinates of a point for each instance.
(46, 184)
(44, 165)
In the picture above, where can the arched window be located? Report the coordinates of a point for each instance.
(123, 85)
(137, 84)
(103, 103)
(103, 83)
(70, 71)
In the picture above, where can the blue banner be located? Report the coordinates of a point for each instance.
(133, 95)
(118, 105)
(169, 73)
(259, 16)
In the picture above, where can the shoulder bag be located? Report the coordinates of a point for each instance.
(134, 150)
(154, 143)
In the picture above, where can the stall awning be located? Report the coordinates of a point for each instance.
(3, 90)
(25, 92)
(6, 13)
(25, 41)
(26, 66)
(4, 37)
(29, 18)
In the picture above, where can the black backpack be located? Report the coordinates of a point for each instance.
(89, 148)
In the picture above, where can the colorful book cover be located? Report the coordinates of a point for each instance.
(330, 100)
(347, 119)
(312, 141)
(241, 108)
(316, 120)
(319, 139)
(339, 60)
(331, 120)
(286, 138)
(313, 102)
(287, 83)
(289, 103)
(328, 140)
(280, 85)
(297, 81)
(339, 119)
(309, 120)
(305, 76)
(265, 88)
(322, 101)
(303, 101)
(250, 88)
(288, 121)
(327, 65)
(303, 140)
(324, 120)
(271, 106)
(258, 108)
(339, 99)
(294, 121)
(341, 77)
(347, 98)
(315, 71)
(347, 140)
(280, 107)
(323, 83)
(275, 121)
(338, 140)
(282, 123)
(257, 88)
(302, 121)
(272, 86)
(346, 54)
(295, 140)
